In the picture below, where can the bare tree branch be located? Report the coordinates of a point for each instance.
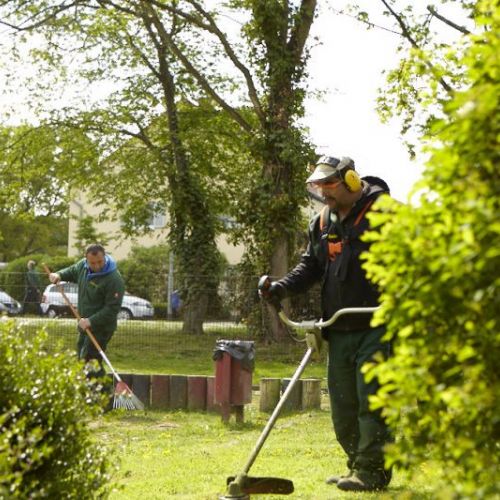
(300, 32)
(212, 27)
(368, 23)
(406, 34)
(447, 21)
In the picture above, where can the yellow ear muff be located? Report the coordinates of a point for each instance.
(352, 180)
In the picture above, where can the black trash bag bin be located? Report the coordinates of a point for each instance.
(242, 350)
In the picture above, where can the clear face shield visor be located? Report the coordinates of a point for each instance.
(323, 177)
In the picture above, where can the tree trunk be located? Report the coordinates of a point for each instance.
(192, 229)
(279, 267)
(194, 314)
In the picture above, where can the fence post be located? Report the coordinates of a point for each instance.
(311, 393)
(269, 393)
(170, 284)
(294, 401)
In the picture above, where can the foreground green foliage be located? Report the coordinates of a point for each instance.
(437, 265)
(46, 447)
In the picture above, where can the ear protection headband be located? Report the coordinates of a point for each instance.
(348, 175)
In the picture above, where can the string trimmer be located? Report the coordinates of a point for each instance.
(242, 485)
(123, 396)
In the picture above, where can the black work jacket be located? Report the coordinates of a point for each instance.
(344, 282)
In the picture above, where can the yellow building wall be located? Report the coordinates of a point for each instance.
(119, 246)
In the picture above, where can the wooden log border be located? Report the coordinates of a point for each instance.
(199, 392)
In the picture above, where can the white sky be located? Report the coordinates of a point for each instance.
(348, 67)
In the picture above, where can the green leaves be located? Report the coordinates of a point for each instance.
(439, 279)
(46, 447)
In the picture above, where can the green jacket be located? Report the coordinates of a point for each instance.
(100, 295)
(32, 279)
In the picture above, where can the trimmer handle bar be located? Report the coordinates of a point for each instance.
(313, 323)
(263, 287)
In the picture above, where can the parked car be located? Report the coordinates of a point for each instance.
(53, 304)
(8, 304)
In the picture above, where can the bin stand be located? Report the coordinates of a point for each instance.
(233, 387)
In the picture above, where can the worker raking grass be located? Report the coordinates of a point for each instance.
(100, 294)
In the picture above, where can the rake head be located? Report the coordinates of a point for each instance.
(125, 398)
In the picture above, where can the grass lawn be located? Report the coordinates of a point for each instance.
(188, 455)
(184, 455)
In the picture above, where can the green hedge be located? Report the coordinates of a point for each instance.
(12, 277)
(46, 447)
(145, 272)
(437, 263)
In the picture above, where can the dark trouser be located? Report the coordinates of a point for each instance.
(361, 433)
(31, 302)
(87, 351)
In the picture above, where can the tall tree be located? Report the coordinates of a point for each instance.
(38, 166)
(272, 67)
(152, 166)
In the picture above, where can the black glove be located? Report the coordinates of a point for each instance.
(272, 292)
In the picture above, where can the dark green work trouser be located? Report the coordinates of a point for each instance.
(361, 433)
(87, 351)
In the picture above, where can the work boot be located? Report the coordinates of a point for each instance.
(336, 479)
(364, 481)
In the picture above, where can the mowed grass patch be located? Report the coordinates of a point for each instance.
(160, 347)
(182, 455)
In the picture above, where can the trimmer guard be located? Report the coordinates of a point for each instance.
(262, 485)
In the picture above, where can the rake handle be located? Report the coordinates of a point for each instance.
(88, 331)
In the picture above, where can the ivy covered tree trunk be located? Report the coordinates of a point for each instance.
(192, 231)
(193, 239)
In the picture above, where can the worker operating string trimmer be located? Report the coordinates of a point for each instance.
(100, 295)
(334, 259)
(242, 485)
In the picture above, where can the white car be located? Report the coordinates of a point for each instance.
(8, 304)
(53, 304)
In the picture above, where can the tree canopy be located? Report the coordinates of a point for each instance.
(39, 164)
(430, 69)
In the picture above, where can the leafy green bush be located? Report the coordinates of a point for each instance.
(145, 272)
(160, 310)
(437, 264)
(46, 447)
(12, 277)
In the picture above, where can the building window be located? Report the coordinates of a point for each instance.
(158, 219)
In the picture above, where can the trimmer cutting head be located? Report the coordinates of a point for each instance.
(241, 486)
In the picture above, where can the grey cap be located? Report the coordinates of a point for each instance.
(326, 167)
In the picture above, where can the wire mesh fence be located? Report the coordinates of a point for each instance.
(150, 323)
